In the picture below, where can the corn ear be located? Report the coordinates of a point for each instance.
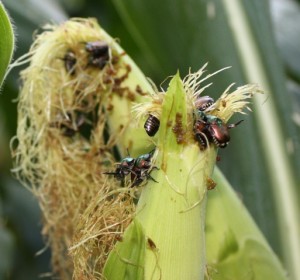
(171, 211)
(63, 163)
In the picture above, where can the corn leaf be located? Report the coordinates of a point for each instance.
(236, 249)
(6, 42)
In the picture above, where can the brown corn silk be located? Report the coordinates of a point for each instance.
(64, 144)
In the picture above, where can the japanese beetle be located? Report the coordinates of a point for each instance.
(70, 128)
(211, 129)
(70, 123)
(70, 62)
(151, 125)
(142, 169)
(204, 102)
(143, 161)
(139, 169)
(99, 53)
(123, 169)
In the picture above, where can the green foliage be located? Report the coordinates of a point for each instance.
(253, 253)
(6, 42)
(6, 51)
(7, 248)
(236, 248)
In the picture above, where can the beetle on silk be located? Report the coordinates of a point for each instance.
(70, 62)
(204, 102)
(123, 169)
(98, 53)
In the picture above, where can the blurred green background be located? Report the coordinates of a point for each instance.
(162, 37)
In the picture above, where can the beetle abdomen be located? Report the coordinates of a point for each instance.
(151, 125)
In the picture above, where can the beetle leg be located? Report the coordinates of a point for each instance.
(202, 139)
(150, 177)
(154, 167)
(109, 173)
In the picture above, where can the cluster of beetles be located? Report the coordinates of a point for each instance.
(98, 56)
(207, 129)
(138, 168)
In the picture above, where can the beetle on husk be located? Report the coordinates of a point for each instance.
(138, 168)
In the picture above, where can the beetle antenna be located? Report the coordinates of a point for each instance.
(151, 153)
(150, 177)
(234, 125)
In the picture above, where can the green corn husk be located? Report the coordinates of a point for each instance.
(127, 261)
(236, 249)
(172, 211)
